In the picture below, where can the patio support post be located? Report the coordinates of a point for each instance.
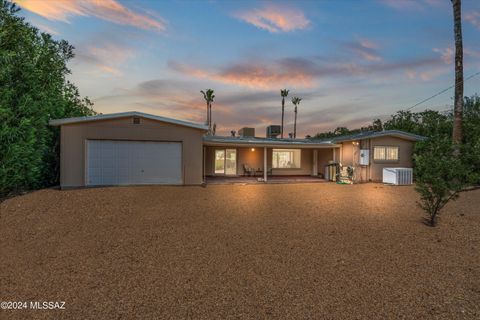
(203, 164)
(315, 163)
(265, 164)
(334, 160)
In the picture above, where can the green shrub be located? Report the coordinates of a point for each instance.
(33, 90)
(439, 176)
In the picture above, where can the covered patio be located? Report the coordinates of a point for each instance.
(258, 180)
(254, 160)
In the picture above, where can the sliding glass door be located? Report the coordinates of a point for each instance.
(226, 161)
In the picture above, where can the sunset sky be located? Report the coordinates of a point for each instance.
(350, 61)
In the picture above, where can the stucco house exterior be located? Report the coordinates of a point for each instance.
(137, 148)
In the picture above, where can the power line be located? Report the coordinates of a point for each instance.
(435, 95)
(440, 92)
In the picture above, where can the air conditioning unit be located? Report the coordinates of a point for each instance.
(398, 176)
(246, 132)
(364, 157)
(273, 131)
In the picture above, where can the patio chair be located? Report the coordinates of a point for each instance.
(247, 171)
(269, 171)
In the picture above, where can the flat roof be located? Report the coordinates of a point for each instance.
(266, 142)
(375, 134)
(99, 117)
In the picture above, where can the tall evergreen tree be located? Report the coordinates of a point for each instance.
(33, 90)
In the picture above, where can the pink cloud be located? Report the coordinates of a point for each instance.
(366, 49)
(258, 76)
(107, 57)
(275, 18)
(474, 18)
(447, 54)
(414, 4)
(109, 10)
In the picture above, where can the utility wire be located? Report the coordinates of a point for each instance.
(437, 94)
(440, 92)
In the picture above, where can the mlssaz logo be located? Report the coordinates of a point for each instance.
(47, 305)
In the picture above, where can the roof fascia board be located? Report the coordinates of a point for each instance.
(270, 145)
(101, 117)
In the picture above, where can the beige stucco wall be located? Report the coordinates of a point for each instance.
(373, 172)
(74, 136)
(405, 154)
(255, 159)
(324, 156)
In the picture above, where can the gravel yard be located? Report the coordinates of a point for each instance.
(299, 251)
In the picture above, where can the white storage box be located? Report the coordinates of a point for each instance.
(398, 176)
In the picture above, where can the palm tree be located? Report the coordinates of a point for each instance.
(284, 94)
(209, 95)
(458, 109)
(295, 101)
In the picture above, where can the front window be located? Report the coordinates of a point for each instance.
(385, 153)
(286, 158)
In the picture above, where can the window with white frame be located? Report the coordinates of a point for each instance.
(385, 153)
(286, 158)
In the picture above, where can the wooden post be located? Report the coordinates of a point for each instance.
(315, 163)
(265, 164)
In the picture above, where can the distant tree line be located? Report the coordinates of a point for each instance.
(33, 90)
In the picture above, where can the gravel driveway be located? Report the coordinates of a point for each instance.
(298, 251)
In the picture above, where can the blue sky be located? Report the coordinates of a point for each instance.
(350, 61)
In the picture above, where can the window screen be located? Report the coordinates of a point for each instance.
(385, 153)
(286, 158)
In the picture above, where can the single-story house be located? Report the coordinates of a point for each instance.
(138, 148)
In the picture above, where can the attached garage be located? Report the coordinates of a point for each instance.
(131, 148)
(111, 162)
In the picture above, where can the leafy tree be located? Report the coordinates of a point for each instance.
(34, 89)
(377, 125)
(342, 131)
(439, 176)
(471, 126)
(296, 102)
(426, 123)
(284, 94)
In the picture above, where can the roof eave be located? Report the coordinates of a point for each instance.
(401, 135)
(60, 122)
(250, 144)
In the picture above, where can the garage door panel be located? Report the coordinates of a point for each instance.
(133, 162)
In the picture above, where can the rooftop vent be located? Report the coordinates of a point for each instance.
(246, 132)
(273, 131)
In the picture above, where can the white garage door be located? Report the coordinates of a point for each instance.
(133, 162)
